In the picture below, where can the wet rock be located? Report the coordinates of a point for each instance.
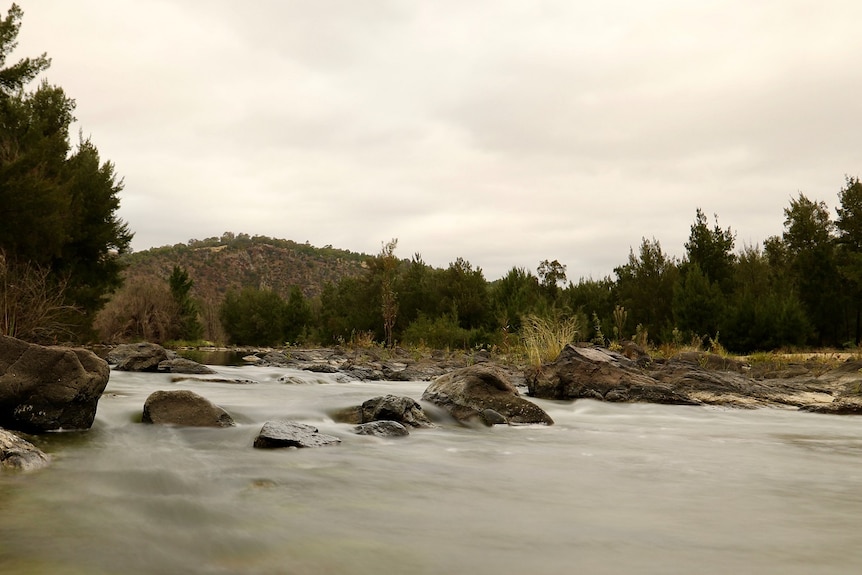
(282, 433)
(490, 417)
(404, 410)
(183, 365)
(231, 380)
(19, 454)
(48, 388)
(321, 368)
(381, 429)
(840, 406)
(184, 407)
(138, 357)
(598, 373)
(466, 393)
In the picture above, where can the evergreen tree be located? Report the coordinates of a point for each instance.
(810, 254)
(297, 315)
(644, 287)
(189, 325)
(253, 317)
(711, 250)
(59, 205)
(849, 224)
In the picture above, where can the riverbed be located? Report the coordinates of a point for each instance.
(608, 489)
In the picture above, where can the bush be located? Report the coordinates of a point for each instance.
(142, 310)
(442, 333)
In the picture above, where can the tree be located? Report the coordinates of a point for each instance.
(645, 285)
(14, 78)
(253, 316)
(698, 304)
(551, 275)
(849, 224)
(388, 297)
(297, 315)
(808, 239)
(711, 250)
(59, 205)
(764, 311)
(464, 294)
(189, 326)
(514, 296)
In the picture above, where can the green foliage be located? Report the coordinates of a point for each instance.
(13, 78)
(644, 285)
(464, 294)
(711, 250)
(517, 294)
(189, 326)
(443, 332)
(698, 303)
(59, 205)
(253, 317)
(297, 316)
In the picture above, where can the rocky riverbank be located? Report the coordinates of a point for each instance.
(831, 384)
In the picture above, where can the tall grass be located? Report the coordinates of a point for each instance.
(545, 338)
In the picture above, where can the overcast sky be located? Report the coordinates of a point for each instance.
(504, 132)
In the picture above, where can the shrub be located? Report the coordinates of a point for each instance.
(142, 310)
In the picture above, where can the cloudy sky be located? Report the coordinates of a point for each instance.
(504, 132)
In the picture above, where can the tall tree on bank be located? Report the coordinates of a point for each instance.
(59, 205)
(809, 241)
(644, 285)
(849, 224)
(706, 276)
(388, 297)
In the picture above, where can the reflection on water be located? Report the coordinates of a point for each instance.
(608, 489)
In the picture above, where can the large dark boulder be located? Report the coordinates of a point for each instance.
(598, 373)
(281, 433)
(48, 388)
(480, 391)
(138, 357)
(184, 407)
(19, 454)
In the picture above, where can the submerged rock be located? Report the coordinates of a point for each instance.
(19, 454)
(183, 365)
(184, 407)
(381, 429)
(469, 393)
(48, 388)
(137, 357)
(281, 433)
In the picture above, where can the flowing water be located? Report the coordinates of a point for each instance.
(611, 488)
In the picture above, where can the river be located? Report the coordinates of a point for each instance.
(608, 489)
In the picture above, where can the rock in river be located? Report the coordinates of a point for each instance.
(184, 407)
(48, 388)
(469, 393)
(282, 433)
(19, 454)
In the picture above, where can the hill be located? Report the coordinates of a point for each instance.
(234, 261)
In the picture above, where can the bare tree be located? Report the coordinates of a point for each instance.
(388, 297)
